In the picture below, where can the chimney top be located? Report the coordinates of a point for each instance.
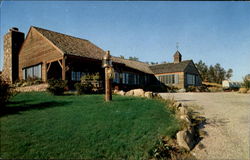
(14, 29)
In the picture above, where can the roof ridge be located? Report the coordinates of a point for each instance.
(130, 60)
(60, 33)
(170, 63)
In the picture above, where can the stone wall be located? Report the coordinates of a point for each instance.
(7, 63)
(33, 88)
(13, 41)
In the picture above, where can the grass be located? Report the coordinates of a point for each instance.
(41, 126)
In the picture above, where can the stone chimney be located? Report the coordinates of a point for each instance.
(13, 41)
(177, 57)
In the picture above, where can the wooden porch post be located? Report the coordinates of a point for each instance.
(63, 68)
(44, 71)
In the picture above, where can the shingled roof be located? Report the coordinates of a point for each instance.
(170, 67)
(141, 66)
(72, 45)
(81, 47)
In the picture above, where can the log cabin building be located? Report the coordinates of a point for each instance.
(47, 54)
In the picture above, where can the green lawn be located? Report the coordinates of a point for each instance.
(39, 125)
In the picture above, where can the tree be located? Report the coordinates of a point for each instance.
(203, 70)
(152, 63)
(229, 73)
(122, 57)
(211, 74)
(215, 74)
(219, 73)
(246, 82)
(133, 58)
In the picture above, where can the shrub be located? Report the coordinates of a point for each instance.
(28, 82)
(83, 88)
(57, 87)
(202, 88)
(173, 89)
(246, 82)
(215, 89)
(5, 92)
(89, 83)
(191, 89)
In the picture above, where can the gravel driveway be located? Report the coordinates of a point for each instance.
(227, 125)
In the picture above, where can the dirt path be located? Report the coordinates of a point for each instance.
(228, 124)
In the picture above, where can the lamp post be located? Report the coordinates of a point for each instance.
(107, 65)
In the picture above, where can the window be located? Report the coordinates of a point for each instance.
(33, 72)
(123, 78)
(176, 78)
(76, 76)
(190, 79)
(116, 78)
(130, 78)
(169, 79)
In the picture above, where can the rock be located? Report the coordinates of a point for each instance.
(138, 92)
(185, 139)
(116, 91)
(243, 90)
(156, 95)
(148, 94)
(122, 93)
(248, 91)
(183, 110)
(181, 90)
(177, 105)
(129, 93)
(185, 118)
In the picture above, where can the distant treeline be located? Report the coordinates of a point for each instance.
(214, 74)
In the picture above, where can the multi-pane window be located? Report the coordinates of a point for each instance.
(190, 79)
(76, 76)
(169, 79)
(116, 78)
(33, 72)
(130, 78)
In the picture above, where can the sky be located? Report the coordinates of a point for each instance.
(214, 32)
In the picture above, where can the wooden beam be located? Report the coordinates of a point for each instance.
(48, 67)
(60, 63)
(54, 60)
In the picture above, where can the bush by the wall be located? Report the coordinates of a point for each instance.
(84, 88)
(191, 89)
(89, 83)
(202, 88)
(57, 87)
(28, 82)
(5, 92)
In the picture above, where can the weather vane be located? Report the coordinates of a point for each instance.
(177, 45)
